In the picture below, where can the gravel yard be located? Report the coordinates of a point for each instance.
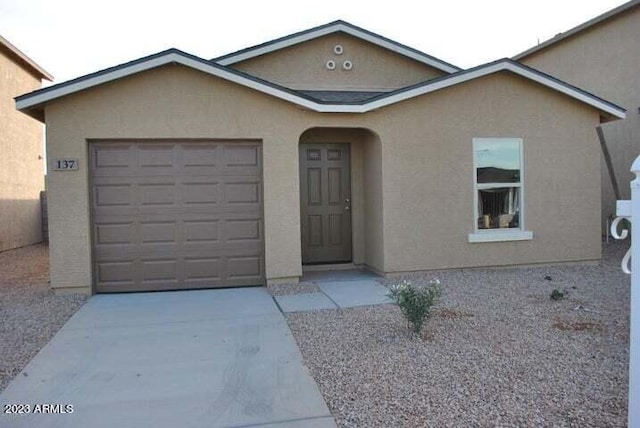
(30, 313)
(496, 352)
(287, 289)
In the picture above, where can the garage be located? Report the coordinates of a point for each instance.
(169, 215)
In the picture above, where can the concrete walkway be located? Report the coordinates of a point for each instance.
(211, 358)
(338, 289)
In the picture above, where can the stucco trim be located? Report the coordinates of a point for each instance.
(32, 101)
(578, 29)
(500, 236)
(330, 28)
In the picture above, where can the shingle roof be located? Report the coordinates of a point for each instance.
(341, 97)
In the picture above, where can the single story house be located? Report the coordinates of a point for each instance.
(21, 146)
(602, 57)
(334, 145)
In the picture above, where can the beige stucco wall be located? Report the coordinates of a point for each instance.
(171, 102)
(373, 204)
(416, 166)
(428, 175)
(302, 66)
(605, 60)
(22, 171)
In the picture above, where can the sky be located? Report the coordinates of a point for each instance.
(71, 38)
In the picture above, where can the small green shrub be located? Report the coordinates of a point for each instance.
(557, 294)
(415, 302)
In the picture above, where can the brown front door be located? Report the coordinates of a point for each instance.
(325, 203)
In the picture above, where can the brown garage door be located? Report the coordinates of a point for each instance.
(176, 215)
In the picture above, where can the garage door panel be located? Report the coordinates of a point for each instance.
(144, 191)
(177, 215)
(200, 193)
(116, 272)
(244, 266)
(114, 233)
(160, 269)
(197, 156)
(242, 192)
(192, 250)
(157, 194)
(224, 171)
(221, 248)
(240, 155)
(226, 211)
(113, 160)
(109, 195)
(159, 232)
(152, 159)
(201, 230)
(197, 272)
(198, 268)
(167, 231)
(243, 230)
(123, 213)
(157, 156)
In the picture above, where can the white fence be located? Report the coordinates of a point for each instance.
(629, 211)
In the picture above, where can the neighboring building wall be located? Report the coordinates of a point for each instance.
(605, 60)
(303, 66)
(21, 174)
(417, 204)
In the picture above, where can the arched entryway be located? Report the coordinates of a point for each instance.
(341, 197)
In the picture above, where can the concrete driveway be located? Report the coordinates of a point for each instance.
(210, 358)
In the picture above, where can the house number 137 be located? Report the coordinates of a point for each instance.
(65, 164)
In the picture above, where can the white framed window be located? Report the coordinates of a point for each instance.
(498, 189)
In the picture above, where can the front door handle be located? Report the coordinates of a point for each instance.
(347, 204)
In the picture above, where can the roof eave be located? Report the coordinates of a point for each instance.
(334, 27)
(40, 97)
(32, 103)
(606, 108)
(36, 112)
(578, 29)
(607, 117)
(31, 64)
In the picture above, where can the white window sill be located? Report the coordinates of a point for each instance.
(500, 236)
